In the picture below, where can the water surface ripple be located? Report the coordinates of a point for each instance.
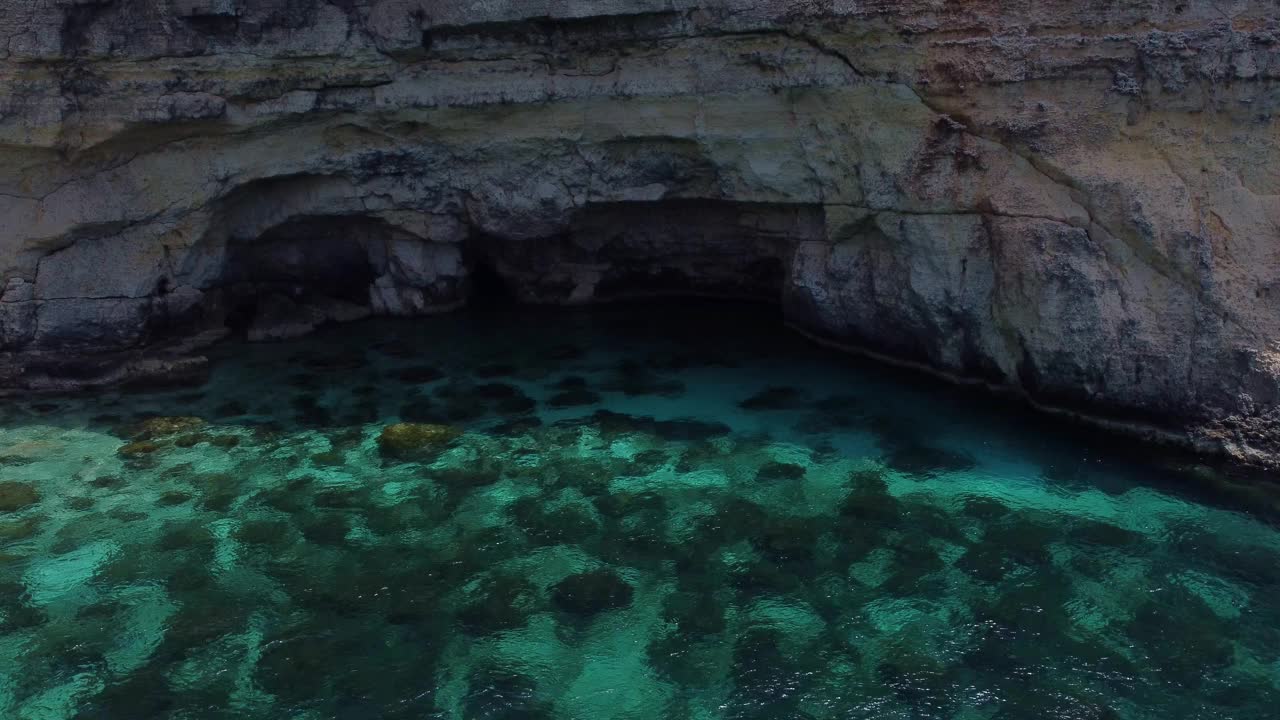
(618, 514)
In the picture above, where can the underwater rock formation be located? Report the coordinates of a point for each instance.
(1078, 202)
(16, 496)
(403, 440)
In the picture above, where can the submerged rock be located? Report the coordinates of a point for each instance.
(173, 497)
(329, 458)
(1179, 627)
(328, 529)
(766, 676)
(1014, 540)
(218, 501)
(590, 477)
(647, 461)
(137, 449)
(774, 398)
(689, 429)
(186, 535)
(774, 471)
(699, 455)
(571, 382)
(15, 496)
(915, 676)
(161, 426)
(633, 379)
(272, 533)
(505, 602)
(460, 480)
(619, 505)
(613, 424)
(494, 693)
(18, 529)
(590, 593)
(517, 405)
(696, 614)
(291, 663)
(983, 508)
(516, 426)
(574, 397)
(106, 482)
(188, 441)
(787, 540)
(914, 561)
(869, 498)
(16, 612)
(925, 460)
(566, 524)
(1103, 534)
(339, 499)
(675, 657)
(407, 440)
(128, 516)
(837, 411)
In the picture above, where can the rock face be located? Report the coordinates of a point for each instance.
(1076, 200)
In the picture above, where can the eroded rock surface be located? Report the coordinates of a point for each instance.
(1080, 201)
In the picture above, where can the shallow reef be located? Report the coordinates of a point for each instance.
(586, 515)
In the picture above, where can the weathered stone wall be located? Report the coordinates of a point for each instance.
(1079, 200)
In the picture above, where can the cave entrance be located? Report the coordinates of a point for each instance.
(300, 274)
(643, 250)
(310, 269)
(488, 291)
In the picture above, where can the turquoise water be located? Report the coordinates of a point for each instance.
(676, 514)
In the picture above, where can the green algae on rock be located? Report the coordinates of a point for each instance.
(167, 425)
(404, 441)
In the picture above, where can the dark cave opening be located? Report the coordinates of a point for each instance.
(323, 255)
(487, 289)
(283, 279)
(298, 272)
(240, 313)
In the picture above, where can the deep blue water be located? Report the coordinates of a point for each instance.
(682, 513)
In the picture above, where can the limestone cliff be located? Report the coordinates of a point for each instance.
(1076, 200)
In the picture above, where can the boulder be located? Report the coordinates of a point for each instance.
(405, 441)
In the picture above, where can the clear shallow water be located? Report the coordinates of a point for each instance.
(681, 514)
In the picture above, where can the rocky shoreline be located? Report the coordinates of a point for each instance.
(1245, 444)
(1077, 203)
